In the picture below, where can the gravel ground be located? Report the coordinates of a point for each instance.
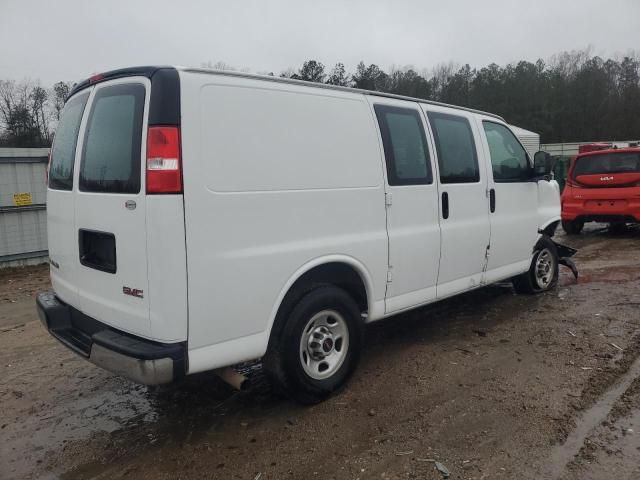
(490, 384)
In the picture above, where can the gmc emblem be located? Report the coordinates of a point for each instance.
(134, 292)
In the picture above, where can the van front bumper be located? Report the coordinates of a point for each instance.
(141, 360)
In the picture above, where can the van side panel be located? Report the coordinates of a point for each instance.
(275, 176)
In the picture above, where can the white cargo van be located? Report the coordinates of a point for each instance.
(198, 219)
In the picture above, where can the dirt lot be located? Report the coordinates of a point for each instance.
(490, 384)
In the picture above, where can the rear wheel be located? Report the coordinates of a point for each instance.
(316, 350)
(543, 273)
(617, 227)
(572, 227)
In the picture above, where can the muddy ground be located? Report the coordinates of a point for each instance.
(489, 384)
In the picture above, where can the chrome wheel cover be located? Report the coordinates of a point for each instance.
(545, 268)
(324, 344)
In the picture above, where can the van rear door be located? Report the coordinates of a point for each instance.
(61, 200)
(115, 206)
(110, 207)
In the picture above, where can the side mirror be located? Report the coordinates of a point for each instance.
(542, 164)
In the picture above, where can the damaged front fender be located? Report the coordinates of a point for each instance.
(564, 257)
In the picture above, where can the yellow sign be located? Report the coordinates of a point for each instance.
(22, 199)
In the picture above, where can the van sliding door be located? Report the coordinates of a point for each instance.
(412, 205)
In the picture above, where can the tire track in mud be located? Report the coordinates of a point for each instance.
(566, 454)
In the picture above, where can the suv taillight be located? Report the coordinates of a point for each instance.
(164, 171)
(571, 183)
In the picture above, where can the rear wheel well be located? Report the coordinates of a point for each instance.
(338, 274)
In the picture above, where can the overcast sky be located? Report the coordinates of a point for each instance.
(70, 39)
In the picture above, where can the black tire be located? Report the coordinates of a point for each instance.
(283, 362)
(572, 227)
(529, 282)
(617, 228)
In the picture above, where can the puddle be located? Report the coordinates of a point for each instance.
(30, 440)
(590, 419)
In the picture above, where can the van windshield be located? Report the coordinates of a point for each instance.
(623, 162)
(112, 141)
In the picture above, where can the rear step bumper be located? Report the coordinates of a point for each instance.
(138, 359)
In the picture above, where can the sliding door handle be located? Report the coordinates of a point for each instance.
(445, 205)
(492, 200)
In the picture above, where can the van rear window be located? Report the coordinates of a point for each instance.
(112, 141)
(623, 162)
(405, 146)
(64, 146)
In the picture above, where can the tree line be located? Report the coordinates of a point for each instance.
(30, 112)
(574, 96)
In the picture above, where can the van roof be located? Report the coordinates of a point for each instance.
(148, 71)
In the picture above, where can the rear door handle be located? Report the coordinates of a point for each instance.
(445, 205)
(492, 200)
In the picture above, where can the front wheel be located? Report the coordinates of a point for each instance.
(318, 347)
(543, 273)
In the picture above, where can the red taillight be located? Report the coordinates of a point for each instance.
(164, 172)
(571, 183)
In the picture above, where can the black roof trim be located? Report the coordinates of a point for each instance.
(144, 71)
(372, 93)
(164, 106)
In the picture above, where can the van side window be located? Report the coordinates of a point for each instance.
(457, 157)
(112, 141)
(508, 157)
(405, 146)
(63, 152)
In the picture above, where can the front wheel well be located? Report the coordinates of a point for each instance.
(550, 229)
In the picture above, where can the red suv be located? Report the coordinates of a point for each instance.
(602, 186)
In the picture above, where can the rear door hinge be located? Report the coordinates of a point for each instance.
(390, 274)
(388, 199)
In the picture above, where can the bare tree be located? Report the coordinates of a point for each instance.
(25, 114)
(38, 98)
(59, 96)
(441, 76)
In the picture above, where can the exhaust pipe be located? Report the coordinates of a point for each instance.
(233, 378)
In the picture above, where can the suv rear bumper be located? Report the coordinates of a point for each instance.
(601, 204)
(141, 360)
(610, 218)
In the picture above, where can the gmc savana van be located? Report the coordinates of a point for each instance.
(198, 219)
